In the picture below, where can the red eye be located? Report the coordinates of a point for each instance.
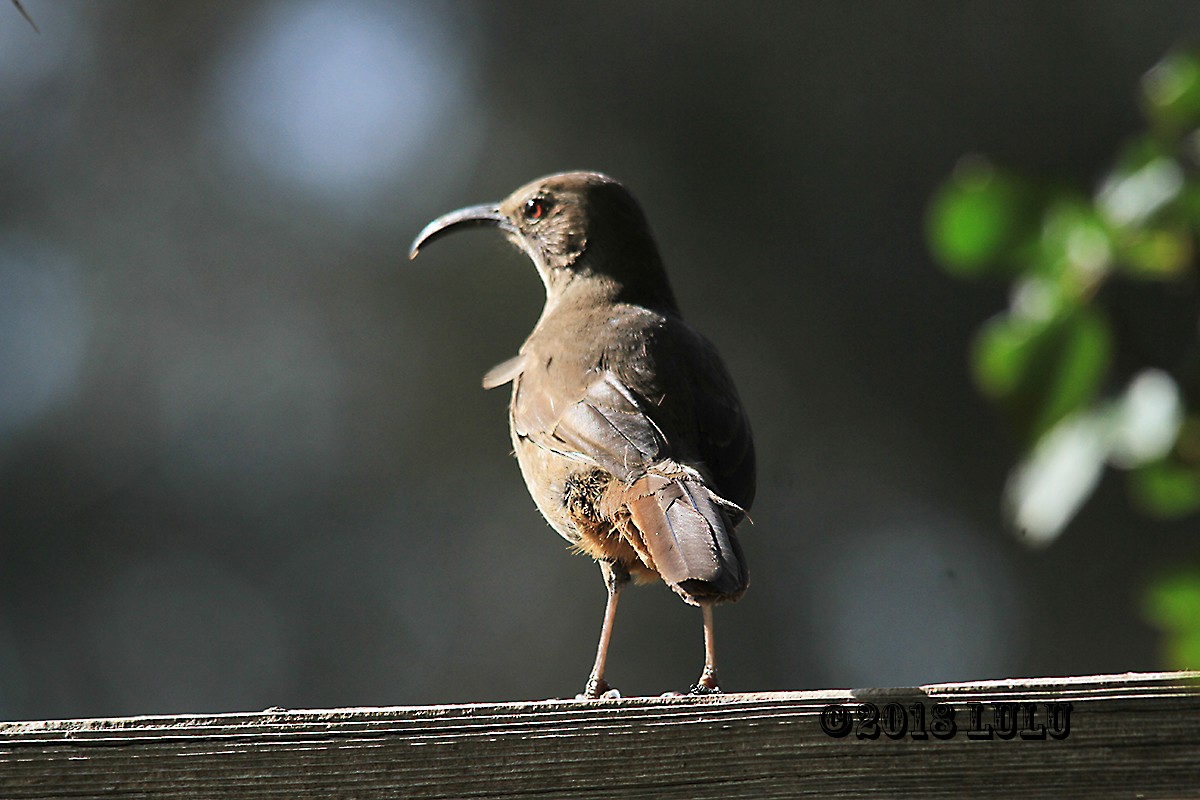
(535, 209)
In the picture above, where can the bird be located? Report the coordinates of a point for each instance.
(626, 424)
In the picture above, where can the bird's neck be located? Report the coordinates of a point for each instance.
(585, 306)
(592, 282)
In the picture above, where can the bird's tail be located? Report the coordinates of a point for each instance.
(684, 531)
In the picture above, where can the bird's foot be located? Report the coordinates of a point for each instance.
(707, 683)
(598, 689)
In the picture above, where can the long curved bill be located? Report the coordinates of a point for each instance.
(486, 215)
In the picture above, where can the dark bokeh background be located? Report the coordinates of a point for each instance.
(244, 457)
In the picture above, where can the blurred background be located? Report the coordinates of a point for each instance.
(245, 459)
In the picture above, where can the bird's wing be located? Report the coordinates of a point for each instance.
(670, 398)
(682, 382)
(594, 419)
(726, 443)
(504, 372)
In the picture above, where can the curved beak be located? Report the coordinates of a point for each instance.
(470, 217)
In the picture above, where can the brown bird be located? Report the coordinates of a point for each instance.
(627, 427)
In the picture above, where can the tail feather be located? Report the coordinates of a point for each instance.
(684, 531)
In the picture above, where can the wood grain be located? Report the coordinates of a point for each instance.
(1130, 735)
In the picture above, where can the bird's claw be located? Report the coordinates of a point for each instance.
(703, 689)
(707, 683)
(598, 689)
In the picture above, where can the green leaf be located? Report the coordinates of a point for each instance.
(1163, 253)
(1189, 204)
(1145, 420)
(1171, 93)
(1003, 351)
(1042, 369)
(1048, 487)
(1182, 650)
(1074, 248)
(1138, 191)
(1166, 488)
(1173, 600)
(978, 218)
(1172, 604)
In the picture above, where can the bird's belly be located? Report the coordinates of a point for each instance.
(546, 475)
(568, 494)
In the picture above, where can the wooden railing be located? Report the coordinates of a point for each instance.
(1133, 735)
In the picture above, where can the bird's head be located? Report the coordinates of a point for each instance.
(579, 229)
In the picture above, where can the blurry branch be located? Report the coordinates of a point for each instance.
(1050, 360)
(25, 14)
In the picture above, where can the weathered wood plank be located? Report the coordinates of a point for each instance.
(1128, 735)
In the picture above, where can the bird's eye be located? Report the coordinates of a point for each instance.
(535, 208)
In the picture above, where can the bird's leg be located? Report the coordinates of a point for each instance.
(615, 578)
(708, 678)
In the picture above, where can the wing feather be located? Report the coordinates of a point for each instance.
(667, 395)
